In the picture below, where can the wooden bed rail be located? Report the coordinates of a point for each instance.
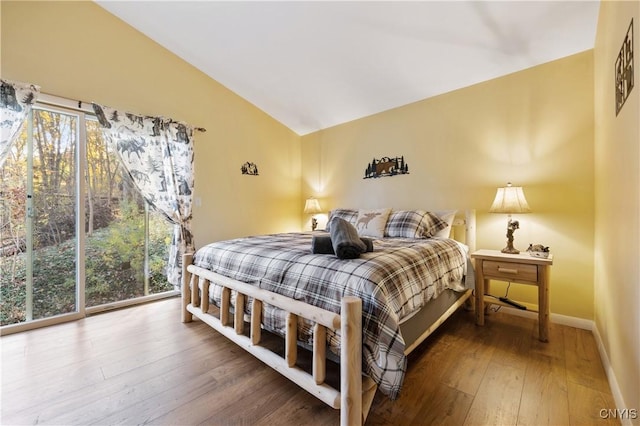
(350, 397)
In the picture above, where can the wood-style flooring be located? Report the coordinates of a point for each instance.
(141, 365)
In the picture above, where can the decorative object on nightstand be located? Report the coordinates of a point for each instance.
(510, 199)
(312, 206)
(538, 250)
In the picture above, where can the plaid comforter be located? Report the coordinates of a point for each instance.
(399, 277)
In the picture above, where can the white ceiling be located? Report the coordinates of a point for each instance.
(313, 65)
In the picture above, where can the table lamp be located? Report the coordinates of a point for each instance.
(312, 206)
(510, 199)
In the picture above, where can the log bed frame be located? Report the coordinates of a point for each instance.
(356, 392)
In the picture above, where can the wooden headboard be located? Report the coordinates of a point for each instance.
(464, 229)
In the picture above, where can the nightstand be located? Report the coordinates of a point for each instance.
(515, 268)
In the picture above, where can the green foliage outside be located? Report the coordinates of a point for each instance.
(114, 265)
(114, 223)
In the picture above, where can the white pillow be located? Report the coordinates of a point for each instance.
(371, 223)
(448, 216)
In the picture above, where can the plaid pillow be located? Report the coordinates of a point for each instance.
(413, 224)
(448, 216)
(350, 215)
(433, 223)
(405, 224)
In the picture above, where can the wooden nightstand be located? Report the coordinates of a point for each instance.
(516, 268)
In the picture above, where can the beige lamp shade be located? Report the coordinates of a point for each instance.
(312, 206)
(510, 199)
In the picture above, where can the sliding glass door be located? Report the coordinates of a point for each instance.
(38, 221)
(75, 235)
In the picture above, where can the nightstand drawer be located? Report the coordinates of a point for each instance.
(510, 271)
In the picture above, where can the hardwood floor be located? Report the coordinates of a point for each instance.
(142, 366)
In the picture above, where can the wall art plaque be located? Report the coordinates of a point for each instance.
(249, 168)
(624, 69)
(386, 166)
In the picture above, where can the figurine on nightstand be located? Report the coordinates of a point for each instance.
(538, 250)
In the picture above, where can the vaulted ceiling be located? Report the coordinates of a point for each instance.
(316, 64)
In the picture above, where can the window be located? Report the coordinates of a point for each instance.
(75, 237)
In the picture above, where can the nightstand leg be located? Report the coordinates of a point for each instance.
(487, 290)
(543, 304)
(480, 282)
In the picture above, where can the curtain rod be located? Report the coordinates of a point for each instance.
(78, 105)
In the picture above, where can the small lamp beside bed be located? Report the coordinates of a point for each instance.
(312, 207)
(510, 199)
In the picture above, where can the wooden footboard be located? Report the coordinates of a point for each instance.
(350, 399)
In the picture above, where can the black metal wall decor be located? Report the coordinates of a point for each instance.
(624, 69)
(386, 166)
(249, 169)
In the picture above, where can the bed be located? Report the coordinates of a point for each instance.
(366, 314)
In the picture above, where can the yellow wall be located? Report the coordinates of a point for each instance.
(80, 51)
(533, 128)
(617, 234)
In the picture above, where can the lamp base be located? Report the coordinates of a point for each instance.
(512, 225)
(510, 250)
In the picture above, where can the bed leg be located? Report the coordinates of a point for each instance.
(187, 259)
(369, 389)
(351, 362)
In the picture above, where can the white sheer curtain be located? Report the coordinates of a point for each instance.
(16, 100)
(157, 153)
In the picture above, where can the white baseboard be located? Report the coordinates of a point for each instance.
(575, 322)
(611, 377)
(572, 321)
(604, 358)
